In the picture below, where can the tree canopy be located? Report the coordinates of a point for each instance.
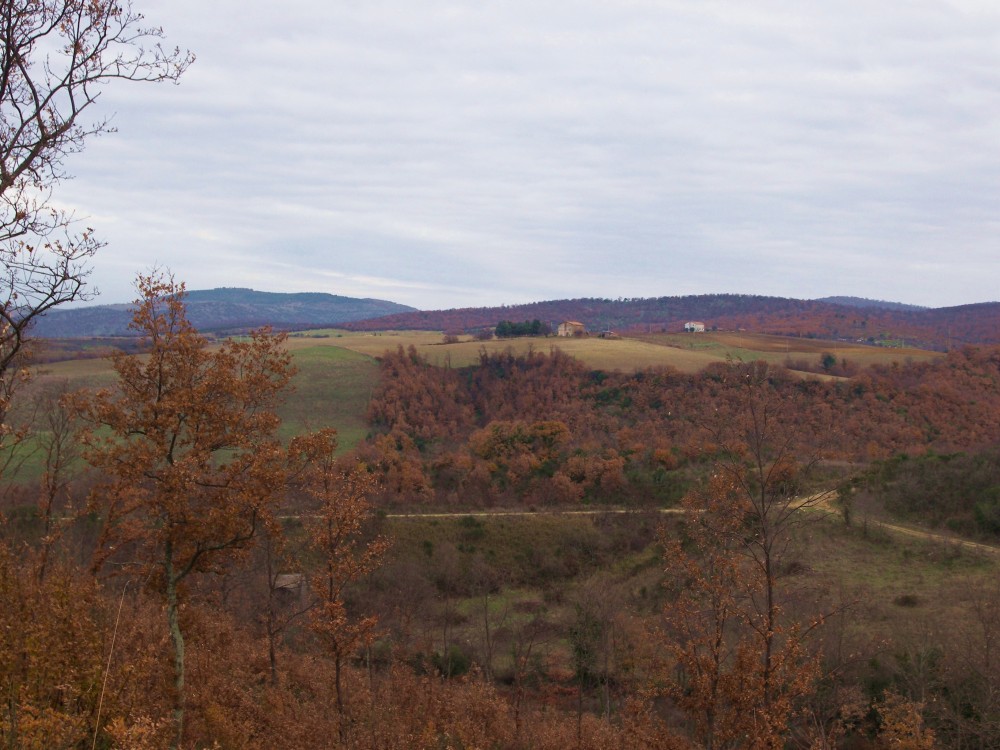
(186, 442)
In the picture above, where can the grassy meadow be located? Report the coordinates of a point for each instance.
(331, 389)
(687, 353)
(781, 349)
(510, 571)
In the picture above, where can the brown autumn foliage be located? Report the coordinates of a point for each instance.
(901, 725)
(536, 429)
(186, 444)
(740, 667)
(334, 528)
(641, 435)
(53, 654)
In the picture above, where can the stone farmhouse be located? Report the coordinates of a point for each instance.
(571, 328)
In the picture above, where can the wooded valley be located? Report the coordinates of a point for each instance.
(524, 552)
(779, 531)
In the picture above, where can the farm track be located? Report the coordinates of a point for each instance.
(933, 536)
(820, 502)
(514, 513)
(501, 513)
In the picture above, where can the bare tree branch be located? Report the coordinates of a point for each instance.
(56, 56)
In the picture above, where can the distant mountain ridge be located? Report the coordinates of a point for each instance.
(226, 308)
(930, 328)
(865, 303)
(231, 309)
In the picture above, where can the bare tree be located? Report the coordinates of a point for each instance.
(487, 580)
(287, 595)
(527, 640)
(56, 56)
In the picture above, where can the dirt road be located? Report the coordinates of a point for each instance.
(820, 502)
(823, 502)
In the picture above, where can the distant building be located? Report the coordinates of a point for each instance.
(291, 587)
(693, 326)
(571, 328)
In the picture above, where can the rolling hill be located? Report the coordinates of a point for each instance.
(225, 309)
(865, 303)
(843, 318)
(875, 322)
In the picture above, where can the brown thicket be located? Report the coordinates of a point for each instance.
(740, 668)
(342, 505)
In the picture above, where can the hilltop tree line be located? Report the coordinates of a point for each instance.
(506, 329)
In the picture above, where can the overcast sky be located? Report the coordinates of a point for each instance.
(449, 154)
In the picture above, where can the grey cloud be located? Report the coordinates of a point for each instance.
(453, 153)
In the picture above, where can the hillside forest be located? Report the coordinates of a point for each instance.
(843, 319)
(521, 553)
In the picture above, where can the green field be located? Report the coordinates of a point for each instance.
(332, 389)
(688, 353)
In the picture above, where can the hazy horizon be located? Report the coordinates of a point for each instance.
(452, 155)
(108, 303)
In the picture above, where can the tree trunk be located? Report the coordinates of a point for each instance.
(489, 636)
(341, 718)
(177, 641)
(340, 695)
(579, 713)
(272, 627)
(12, 713)
(607, 672)
(272, 656)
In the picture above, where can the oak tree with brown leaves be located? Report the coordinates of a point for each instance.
(341, 496)
(187, 444)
